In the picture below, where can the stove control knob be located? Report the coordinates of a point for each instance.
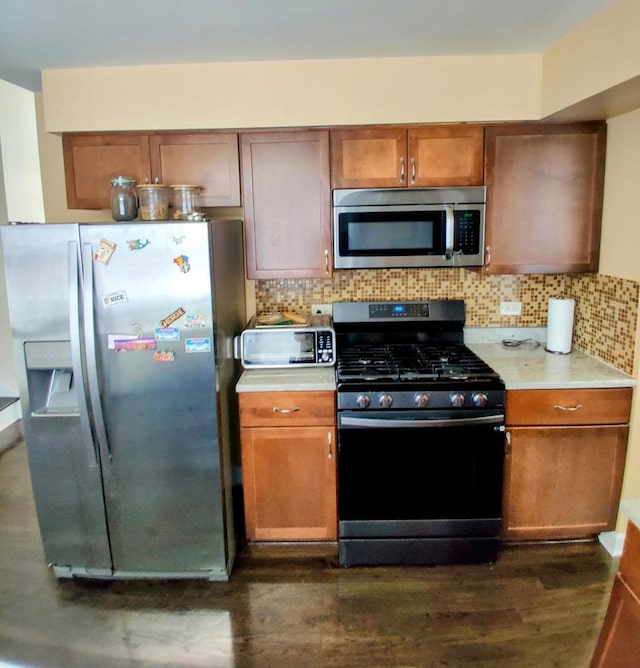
(479, 399)
(363, 401)
(456, 399)
(385, 400)
(421, 399)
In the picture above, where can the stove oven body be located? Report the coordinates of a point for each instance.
(420, 437)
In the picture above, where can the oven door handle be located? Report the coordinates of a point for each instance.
(346, 421)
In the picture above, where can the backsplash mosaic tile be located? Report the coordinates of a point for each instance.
(606, 307)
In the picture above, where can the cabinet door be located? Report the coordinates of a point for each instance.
(287, 204)
(446, 155)
(289, 479)
(562, 482)
(206, 159)
(619, 642)
(92, 160)
(369, 158)
(544, 197)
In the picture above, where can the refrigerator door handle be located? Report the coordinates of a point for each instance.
(76, 350)
(90, 350)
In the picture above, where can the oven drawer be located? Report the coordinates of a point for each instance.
(290, 409)
(567, 407)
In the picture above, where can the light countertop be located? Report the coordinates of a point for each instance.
(532, 367)
(287, 380)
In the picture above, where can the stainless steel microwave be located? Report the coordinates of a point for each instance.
(264, 347)
(408, 227)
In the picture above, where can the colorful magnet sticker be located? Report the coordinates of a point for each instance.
(194, 321)
(172, 317)
(167, 334)
(202, 345)
(178, 240)
(112, 338)
(105, 250)
(114, 299)
(183, 262)
(137, 244)
(144, 343)
(164, 356)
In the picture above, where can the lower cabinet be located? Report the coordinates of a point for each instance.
(619, 641)
(289, 465)
(564, 462)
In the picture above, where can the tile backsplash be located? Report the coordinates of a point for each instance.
(606, 307)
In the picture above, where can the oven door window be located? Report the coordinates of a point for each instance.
(420, 474)
(391, 233)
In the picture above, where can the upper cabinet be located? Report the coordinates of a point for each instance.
(396, 157)
(207, 159)
(287, 204)
(544, 197)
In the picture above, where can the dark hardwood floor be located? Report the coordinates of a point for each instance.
(537, 606)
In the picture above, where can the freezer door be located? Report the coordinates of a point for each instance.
(153, 385)
(42, 274)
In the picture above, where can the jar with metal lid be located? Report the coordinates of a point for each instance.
(186, 200)
(124, 202)
(154, 201)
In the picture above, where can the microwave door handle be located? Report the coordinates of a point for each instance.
(449, 231)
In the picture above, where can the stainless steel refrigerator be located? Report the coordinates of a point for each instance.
(123, 339)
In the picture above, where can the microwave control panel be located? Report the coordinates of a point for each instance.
(466, 238)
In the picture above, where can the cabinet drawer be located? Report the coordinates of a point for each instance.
(567, 407)
(272, 409)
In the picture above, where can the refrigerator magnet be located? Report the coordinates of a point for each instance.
(194, 321)
(167, 334)
(137, 244)
(183, 263)
(164, 356)
(114, 299)
(105, 250)
(200, 345)
(172, 317)
(143, 343)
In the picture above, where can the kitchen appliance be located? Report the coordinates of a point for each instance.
(279, 346)
(420, 423)
(408, 227)
(123, 342)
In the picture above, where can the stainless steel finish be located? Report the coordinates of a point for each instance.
(457, 399)
(421, 399)
(385, 400)
(449, 227)
(396, 423)
(162, 506)
(363, 400)
(409, 196)
(479, 399)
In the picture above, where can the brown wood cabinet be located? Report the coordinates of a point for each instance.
(207, 159)
(544, 197)
(287, 204)
(619, 641)
(289, 465)
(393, 157)
(564, 462)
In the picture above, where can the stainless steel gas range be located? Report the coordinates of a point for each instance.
(420, 437)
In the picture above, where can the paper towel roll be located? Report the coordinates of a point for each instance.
(560, 325)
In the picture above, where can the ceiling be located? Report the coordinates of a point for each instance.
(37, 35)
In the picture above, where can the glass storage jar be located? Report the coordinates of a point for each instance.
(154, 201)
(124, 202)
(186, 200)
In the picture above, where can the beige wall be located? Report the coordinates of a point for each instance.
(293, 93)
(599, 55)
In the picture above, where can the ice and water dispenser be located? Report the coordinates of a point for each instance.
(50, 378)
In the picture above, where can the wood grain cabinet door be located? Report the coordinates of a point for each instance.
(92, 160)
(446, 155)
(562, 482)
(289, 481)
(544, 197)
(287, 204)
(206, 159)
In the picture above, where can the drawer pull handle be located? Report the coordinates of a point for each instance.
(571, 409)
(286, 411)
